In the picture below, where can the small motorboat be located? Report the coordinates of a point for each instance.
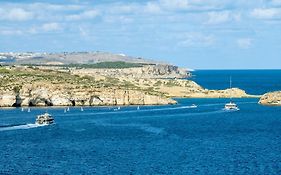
(117, 109)
(44, 119)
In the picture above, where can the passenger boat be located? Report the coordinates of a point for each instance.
(44, 119)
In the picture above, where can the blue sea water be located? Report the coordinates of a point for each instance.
(255, 82)
(172, 139)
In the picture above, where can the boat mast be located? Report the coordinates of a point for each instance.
(230, 85)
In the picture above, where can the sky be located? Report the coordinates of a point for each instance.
(196, 34)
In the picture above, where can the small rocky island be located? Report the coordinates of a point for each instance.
(271, 99)
(101, 79)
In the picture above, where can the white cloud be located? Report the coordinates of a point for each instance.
(49, 27)
(118, 19)
(174, 4)
(217, 18)
(196, 39)
(152, 8)
(88, 14)
(276, 2)
(6, 32)
(222, 17)
(15, 14)
(266, 13)
(244, 43)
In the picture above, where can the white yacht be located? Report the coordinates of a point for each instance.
(44, 119)
(231, 106)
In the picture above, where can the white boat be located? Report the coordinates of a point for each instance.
(28, 110)
(44, 119)
(231, 106)
(117, 109)
(81, 109)
(138, 108)
(67, 109)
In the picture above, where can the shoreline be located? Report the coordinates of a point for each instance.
(133, 105)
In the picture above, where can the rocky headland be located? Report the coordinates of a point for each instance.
(61, 86)
(271, 99)
(95, 78)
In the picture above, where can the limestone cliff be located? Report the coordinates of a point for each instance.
(147, 71)
(271, 99)
(40, 94)
(32, 86)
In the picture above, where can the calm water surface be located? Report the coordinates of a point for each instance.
(153, 140)
(256, 82)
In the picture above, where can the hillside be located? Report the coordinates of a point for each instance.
(39, 86)
(69, 58)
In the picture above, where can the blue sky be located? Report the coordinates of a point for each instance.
(199, 34)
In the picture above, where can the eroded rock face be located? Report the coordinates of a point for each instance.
(7, 99)
(56, 95)
(271, 98)
(148, 71)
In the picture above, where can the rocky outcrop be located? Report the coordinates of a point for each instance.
(38, 94)
(271, 99)
(190, 89)
(7, 99)
(148, 71)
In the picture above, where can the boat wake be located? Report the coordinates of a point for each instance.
(135, 111)
(145, 127)
(20, 126)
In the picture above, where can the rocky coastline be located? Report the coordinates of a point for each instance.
(271, 99)
(37, 86)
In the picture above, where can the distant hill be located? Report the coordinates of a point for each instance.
(70, 58)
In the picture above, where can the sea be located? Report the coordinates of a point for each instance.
(170, 139)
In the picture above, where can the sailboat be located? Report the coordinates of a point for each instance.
(231, 106)
(138, 108)
(81, 109)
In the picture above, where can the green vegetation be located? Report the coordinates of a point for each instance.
(171, 83)
(107, 65)
(158, 83)
(4, 70)
(13, 78)
(101, 65)
(16, 89)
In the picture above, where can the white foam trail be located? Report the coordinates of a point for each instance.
(144, 127)
(26, 126)
(135, 111)
(219, 104)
